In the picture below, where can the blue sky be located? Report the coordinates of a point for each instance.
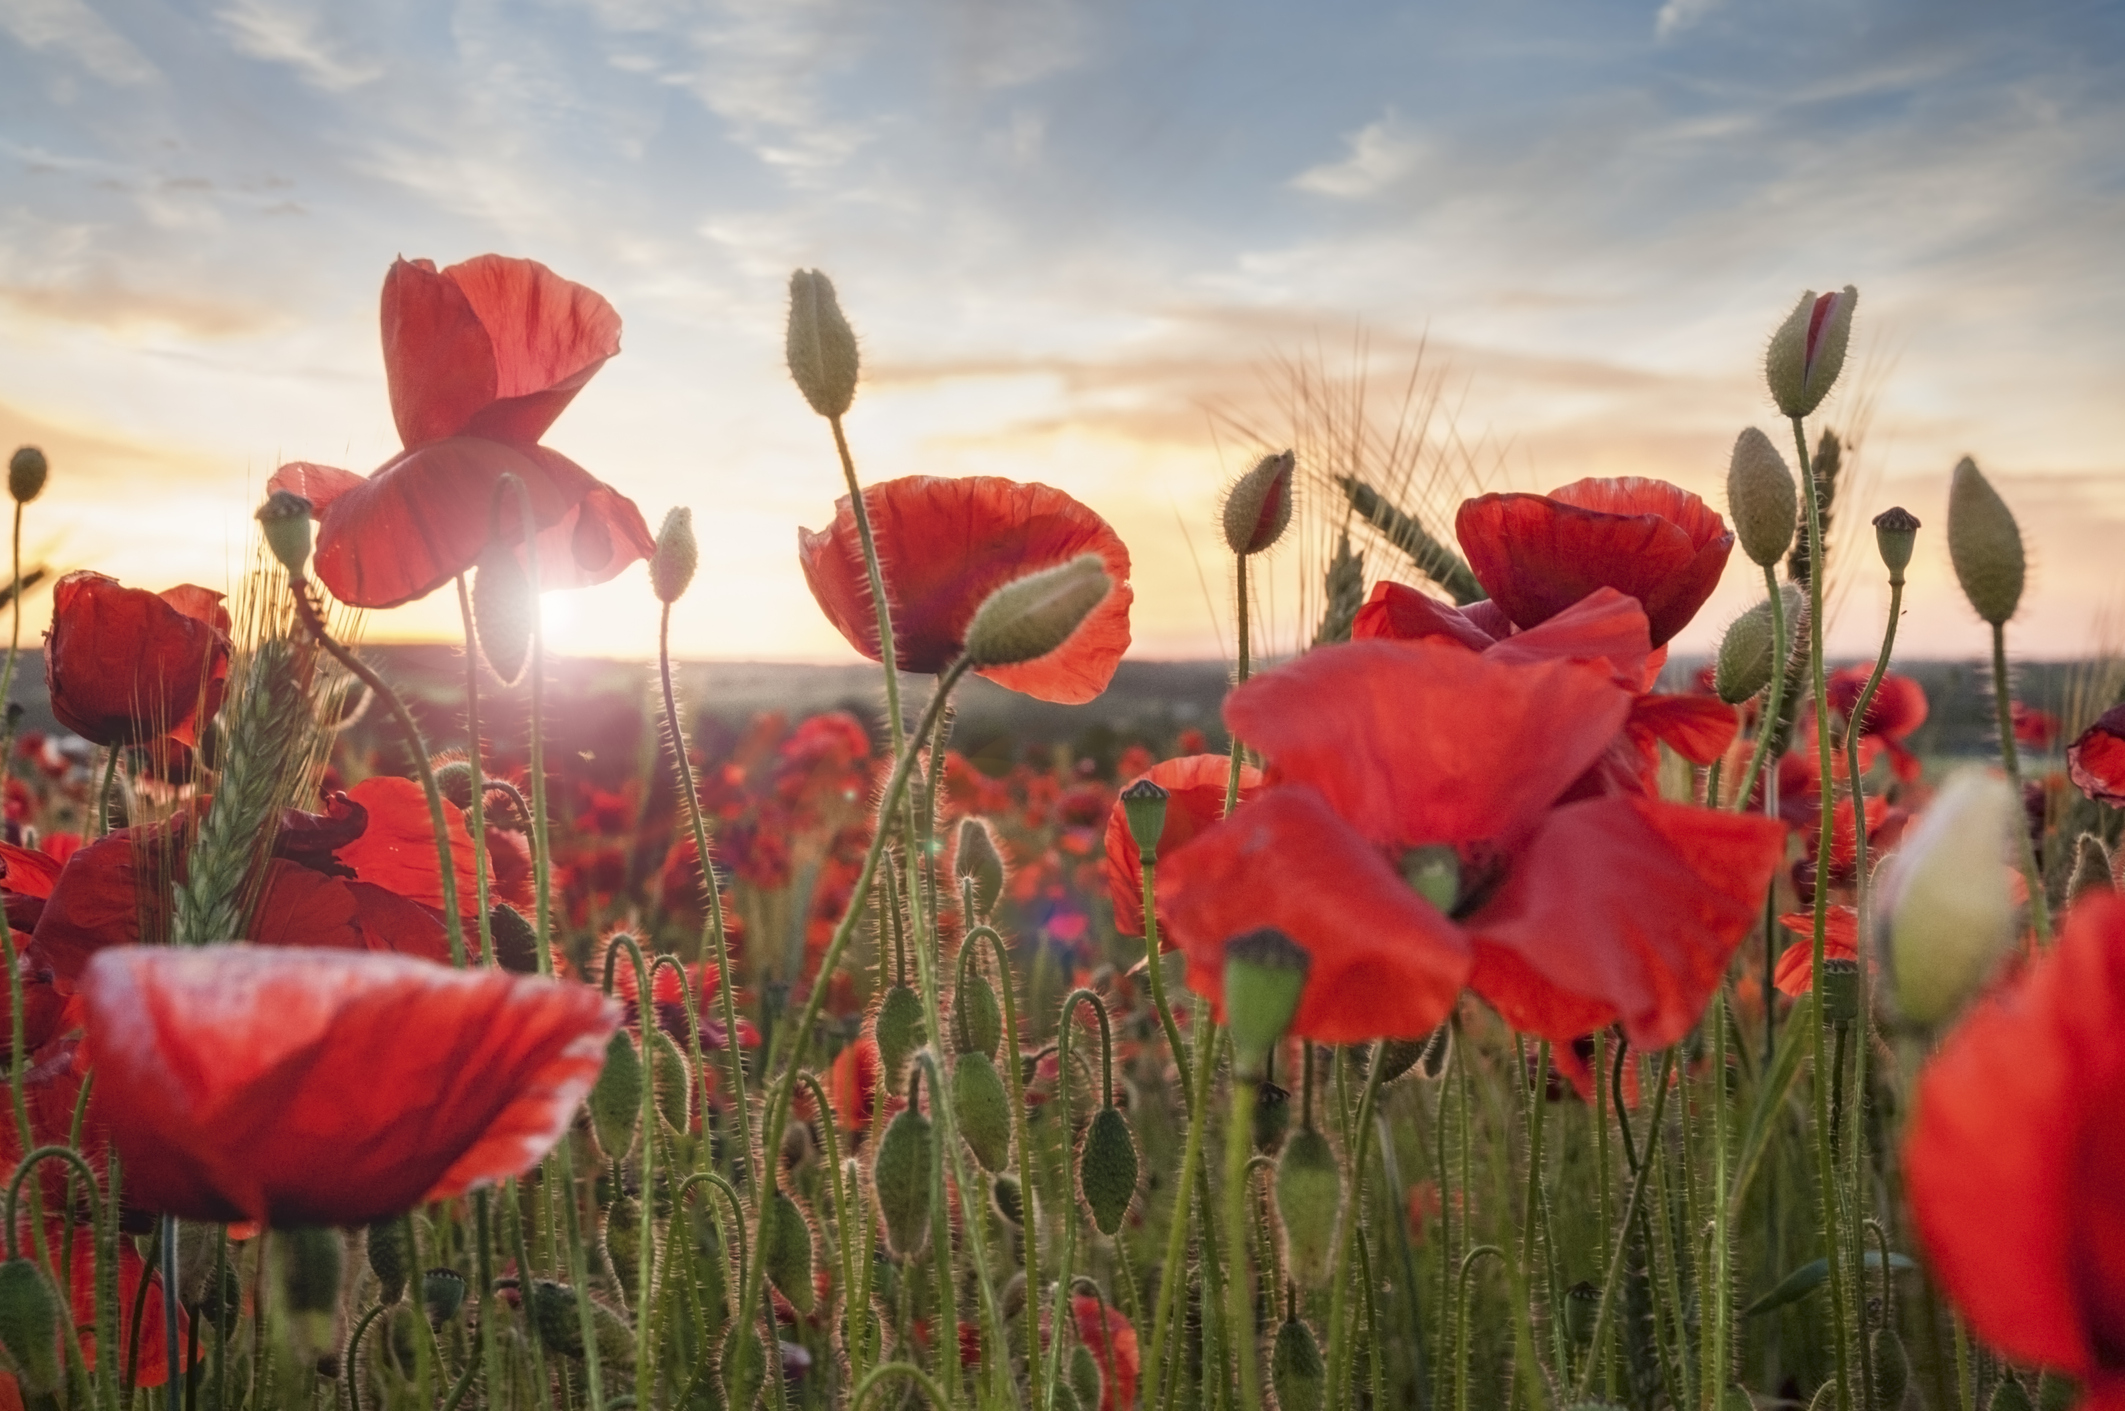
(1083, 243)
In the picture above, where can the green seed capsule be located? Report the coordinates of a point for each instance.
(1106, 1169)
(901, 1173)
(443, 1293)
(786, 1252)
(1309, 1199)
(983, 1110)
(1010, 1201)
(29, 1326)
(313, 1258)
(616, 1099)
(899, 1031)
(390, 1246)
(1296, 1370)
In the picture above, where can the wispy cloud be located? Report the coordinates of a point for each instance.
(1380, 155)
(72, 28)
(298, 35)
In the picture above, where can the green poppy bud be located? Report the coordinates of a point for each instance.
(899, 1033)
(982, 1109)
(443, 1293)
(313, 1259)
(1144, 809)
(977, 860)
(977, 1022)
(616, 1098)
(1258, 506)
(1029, 617)
(1309, 1202)
(623, 1242)
(1296, 1371)
(675, 1082)
(1265, 976)
(1743, 666)
(284, 519)
(744, 1361)
(2010, 1395)
(1582, 1309)
(503, 611)
(1895, 532)
(554, 1317)
(2055, 1391)
(1085, 1380)
(1892, 1369)
(1106, 1169)
(1946, 914)
(1985, 544)
(390, 1249)
(516, 944)
(671, 567)
(1808, 350)
(821, 346)
(900, 1171)
(27, 471)
(1762, 498)
(29, 1325)
(786, 1251)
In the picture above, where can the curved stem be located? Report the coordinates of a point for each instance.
(2010, 759)
(1029, 1215)
(645, 1271)
(888, 655)
(1171, 1275)
(1614, 1275)
(896, 1369)
(1338, 1310)
(1466, 1345)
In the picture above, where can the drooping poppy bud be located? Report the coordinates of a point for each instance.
(671, 567)
(786, 1251)
(900, 1172)
(284, 519)
(1946, 913)
(1107, 1168)
(1030, 617)
(675, 1081)
(977, 1022)
(516, 944)
(1309, 1201)
(1258, 507)
(1010, 1201)
(29, 1326)
(503, 612)
(623, 1242)
(1762, 498)
(1265, 974)
(976, 860)
(1582, 1309)
(982, 1109)
(899, 1032)
(1895, 533)
(1808, 350)
(1144, 806)
(554, 1317)
(1892, 1369)
(1084, 1376)
(744, 1362)
(2010, 1395)
(616, 1098)
(390, 1249)
(1985, 544)
(26, 473)
(1296, 1371)
(821, 347)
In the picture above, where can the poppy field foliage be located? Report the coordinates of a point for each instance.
(1490, 1014)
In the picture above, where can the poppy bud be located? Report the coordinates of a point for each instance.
(1808, 350)
(314, 1257)
(2055, 1391)
(901, 1173)
(976, 860)
(1984, 543)
(1258, 507)
(1029, 617)
(1272, 1115)
(798, 1144)
(899, 1033)
(1743, 667)
(26, 474)
(1840, 990)
(1265, 975)
(285, 521)
(2010, 1395)
(786, 1251)
(1946, 914)
(1106, 1169)
(1762, 498)
(1085, 1380)
(1144, 807)
(554, 1317)
(821, 346)
(672, 566)
(983, 1110)
(1582, 1309)
(1011, 1205)
(503, 611)
(29, 1326)
(1892, 1369)
(1296, 1370)
(1309, 1200)
(675, 1081)
(390, 1246)
(2092, 869)
(222, 1306)
(623, 1242)
(1895, 531)
(744, 1362)
(616, 1099)
(977, 1024)
(516, 944)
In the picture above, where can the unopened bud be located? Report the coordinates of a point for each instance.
(616, 1098)
(315, 1256)
(1272, 1116)
(26, 473)
(29, 1327)
(1144, 808)
(1309, 1201)
(982, 1109)
(2010, 1395)
(977, 1020)
(1582, 1309)
(1011, 1205)
(1743, 667)
(821, 346)
(1946, 913)
(976, 860)
(672, 566)
(503, 611)
(675, 1081)
(1762, 497)
(786, 1251)
(899, 1032)
(1106, 1169)
(390, 1247)
(1895, 531)
(1085, 1381)
(1296, 1371)
(1985, 544)
(1892, 1369)
(1265, 976)
(1808, 350)
(1029, 617)
(285, 520)
(516, 944)
(1258, 507)
(900, 1172)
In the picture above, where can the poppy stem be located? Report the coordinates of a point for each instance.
(1338, 1303)
(1631, 1205)
(477, 809)
(1239, 748)
(1177, 1232)
(14, 646)
(1148, 865)
(2010, 760)
(1768, 728)
(888, 655)
(1239, 1289)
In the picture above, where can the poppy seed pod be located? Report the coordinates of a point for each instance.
(1296, 1370)
(671, 567)
(1258, 507)
(1265, 974)
(1808, 350)
(313, 1258)
(1985, 544)
(976, 860)
(1762, 498)
(1309, 1201)
(285, 520)
(1106, 1169)
(1029, 617)
(503, 611)
(1144, 806)
(1895, 532)
(29, 1327)
(821, 347)
(390, 1249)
(26, 473)
(1946, 912)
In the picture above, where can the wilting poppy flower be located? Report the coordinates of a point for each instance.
(1195, 799)
(125, 666)
(1897, 710)
(944, 545)
(329, 1087)
(1414, 840)
(2096, 760)
(480, 358)
(1795, 974)
(1536, 555)
(2013, 1158)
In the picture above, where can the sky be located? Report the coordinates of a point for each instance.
(1119, 247)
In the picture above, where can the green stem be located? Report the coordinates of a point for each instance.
(1239, 747)
(1715, 1371)
(1537, 1104)
(14, 651)
(1173, 1273)
(1464, 1346)
(888, 656)
(1338, 1303)
(1239, 1288)
(1773, 713)
(476, 813)
(1016, 1077)
(2010, 758)
(1614, 1275)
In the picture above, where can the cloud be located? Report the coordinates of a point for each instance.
(102, 301)
(71, 27)
(1678, 15)
(1380, 155)
(294, 34)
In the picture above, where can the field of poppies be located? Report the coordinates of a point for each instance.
(1486, 1014)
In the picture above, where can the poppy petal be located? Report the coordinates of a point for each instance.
(549, 337)
(397, 850)
(439, 360)
(1400, 613)
(1195, 799)
(124, 665)
(1699, 728)
(1385, 963)
(1795, 974)
(1426, 742)
(304, 908)
(594, 542)
(1633, 903)
(1605, 625)
(319, 484)
(2096, 760)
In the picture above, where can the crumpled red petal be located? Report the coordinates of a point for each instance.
(125, 666)
(1795, 974)
(944, 545)
(1399, 613)
(304, 908)
(304, 1087)
(1386, 964)
(1426, 742)
(1195, 799)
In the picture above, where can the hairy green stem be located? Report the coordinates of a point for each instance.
(1614, 1276)
(2010, 759)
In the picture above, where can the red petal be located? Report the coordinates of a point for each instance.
(305, 908)
(124, 665)
(1633, 904)
(1699, 728)
(330, 1087)
(595, 541)
(945, 545)
(550, 336)
(1605, 625)
(94, 904)
(1107, 1333)
(1385, 963)
(2097, 759)
(439, 360)
(319, 484)
(27, 873)
(1538, 554)
(1195, 799)
(1402, 614)
(1425, 742)
(1796, 963)
(397, 850)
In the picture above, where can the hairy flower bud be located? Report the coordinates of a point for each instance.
(1762, 498)
(1309, 1201)
(1296, 1370)
(1029, 617)
(1808, 350)
(977, 1020)
(29, 1327)
(285, 520)
(1985, 544)
(616, 1098)
(1946, 912)
(821, 346)
(1895, 533)
(1258, 506)
(503, 611)
(982, 1109)
(976, 860)
(1743, 666)
(390, 1249)
(900, 1173)
(1106, 1169)
(26, 473)
(786, 1251)
(1144, 809)
(898, 1031)
(1265, 976)
(1010, 1204)
(671, 567)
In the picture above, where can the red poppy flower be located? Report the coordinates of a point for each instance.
(2036, 728)
(852, 1084)
(1795, 974)
(329, 1087)
(150, 1357)
(1195, 799)
(2013, 1158)
(125, 666)
(1536, 555)
(480, 358)
(1107, 1333)
(397, 848)
(2096, 760)
(1897, 710)
(944, 546)
(1424, 755)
